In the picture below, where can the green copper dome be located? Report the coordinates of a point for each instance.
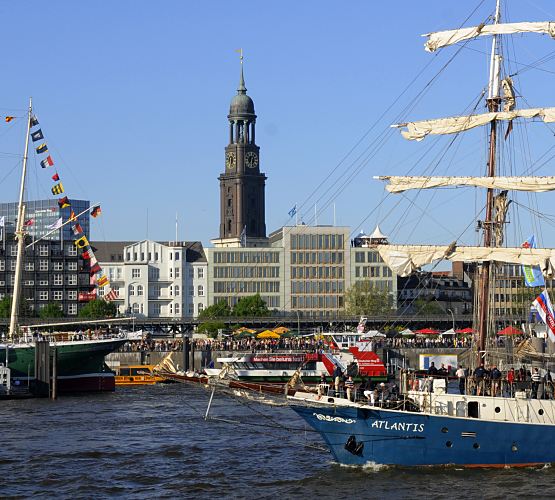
(241, 104)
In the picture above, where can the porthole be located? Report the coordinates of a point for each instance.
(476, 446)
(330, 400)
(514, 448)
(445, 430)
(497, 409)
(449, 444)
(540, 411)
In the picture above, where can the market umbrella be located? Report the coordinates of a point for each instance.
(465, 331)
(281, 329)
(407, 333)
(268, 334)
(449, 332)
(244, 334)
(428, 331)
(244, 329)
(510, 330)
(290, 333)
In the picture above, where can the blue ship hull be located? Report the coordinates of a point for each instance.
(357, 436)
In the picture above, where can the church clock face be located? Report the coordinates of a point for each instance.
(251, 159)
(230, 160)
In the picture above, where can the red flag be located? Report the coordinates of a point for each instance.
(29, 222)
(86, 255)
(95, 269)
(77, 229)
(96, 211)
(56, 177)
(72, 215)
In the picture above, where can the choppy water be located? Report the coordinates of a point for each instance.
(151, 442)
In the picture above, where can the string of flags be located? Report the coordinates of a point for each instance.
(97, 276)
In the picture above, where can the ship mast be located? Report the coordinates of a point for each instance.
(493, 102)
(20, 234)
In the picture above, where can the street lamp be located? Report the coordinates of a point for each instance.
(452, 317)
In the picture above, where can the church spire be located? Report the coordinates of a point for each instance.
(242, 89)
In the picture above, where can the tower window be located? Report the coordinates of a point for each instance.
(229, 225)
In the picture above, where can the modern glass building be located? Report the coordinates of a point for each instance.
(44, 213)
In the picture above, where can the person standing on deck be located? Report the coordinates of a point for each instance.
(536, 378)
(461, 375)
(349, 386)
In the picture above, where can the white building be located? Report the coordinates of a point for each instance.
(155, 279)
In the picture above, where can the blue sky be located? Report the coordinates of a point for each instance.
(133, 99)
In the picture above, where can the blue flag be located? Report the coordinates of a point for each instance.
(293, 211)
(532, 274)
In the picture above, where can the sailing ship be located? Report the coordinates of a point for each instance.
(80, 365)
(428, 425)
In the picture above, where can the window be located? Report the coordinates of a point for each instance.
(191, 309)
(176, 290)
(71, 295)
(200, 273)
(13, 250)
(177, 273)
(43, 265)
(43, 250)
(131, 290)
(176, 308)
(43, 295)
(191, 273)
(57, 266)
(154, 273)
(72, 252)
(135, 308)
(140, 290)
(200, 307)
(2, 265)
(58, 279)
(200, 291)
(156, 308)
(58, 295)
(29, 266)
(135, 273)
(176, 255)
(12, 265)
(72, 309)
(72, 266)
(72, 279)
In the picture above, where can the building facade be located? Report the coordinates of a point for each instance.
(154, 279)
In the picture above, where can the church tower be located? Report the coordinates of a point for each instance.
(242, 203)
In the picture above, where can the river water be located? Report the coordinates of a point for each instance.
(152, 442)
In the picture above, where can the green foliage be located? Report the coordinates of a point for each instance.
(98, 308)
(252, 306)
(363, 299)
(425, 307)
(211, 328)
(52, 310)
(218, 310)
(6, 308)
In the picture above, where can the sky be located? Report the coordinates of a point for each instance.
(133, 97)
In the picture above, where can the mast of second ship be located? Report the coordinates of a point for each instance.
(493, 102)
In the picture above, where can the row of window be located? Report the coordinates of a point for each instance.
(272, 301)
(321, 272)
(316, 257)
(246, 287)
(317, 302)
(372, 256)
(317, 241)
(317, 287)
(246, 272)
(57, 280)
(373, 272)
(255, 257)
(57, 295)
(134, 256)
(44, 250)
(43, 265)
(156, 309)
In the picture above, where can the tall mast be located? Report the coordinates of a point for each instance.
(493, 102)
(20, 233)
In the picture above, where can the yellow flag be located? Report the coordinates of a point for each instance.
(81, 242)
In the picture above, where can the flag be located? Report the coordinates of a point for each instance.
(37, 136)
(86, 255)
(95, 269)
(57, 188)
(532, 274)
(56, 177)
(29, 222)
(72, 216)
(293, 211)
(102, 281)
(47, 162)
(64, 202)
(56, 225)
(81, 242)
(34, 121)
(77, 229)
(43, 148)
(111, 295)
(545, 310)
(9, 118)
(96, 211)
(244, 236)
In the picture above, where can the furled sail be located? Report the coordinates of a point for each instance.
(399, 184)
(444, 38)
(416, 131)
(406, 259)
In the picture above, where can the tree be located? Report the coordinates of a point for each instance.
(98, 308)
(250, 307)
(6, 308)
(52, 310)
(211, 327)
(365, 299)
(425, 307)
(218, 310)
